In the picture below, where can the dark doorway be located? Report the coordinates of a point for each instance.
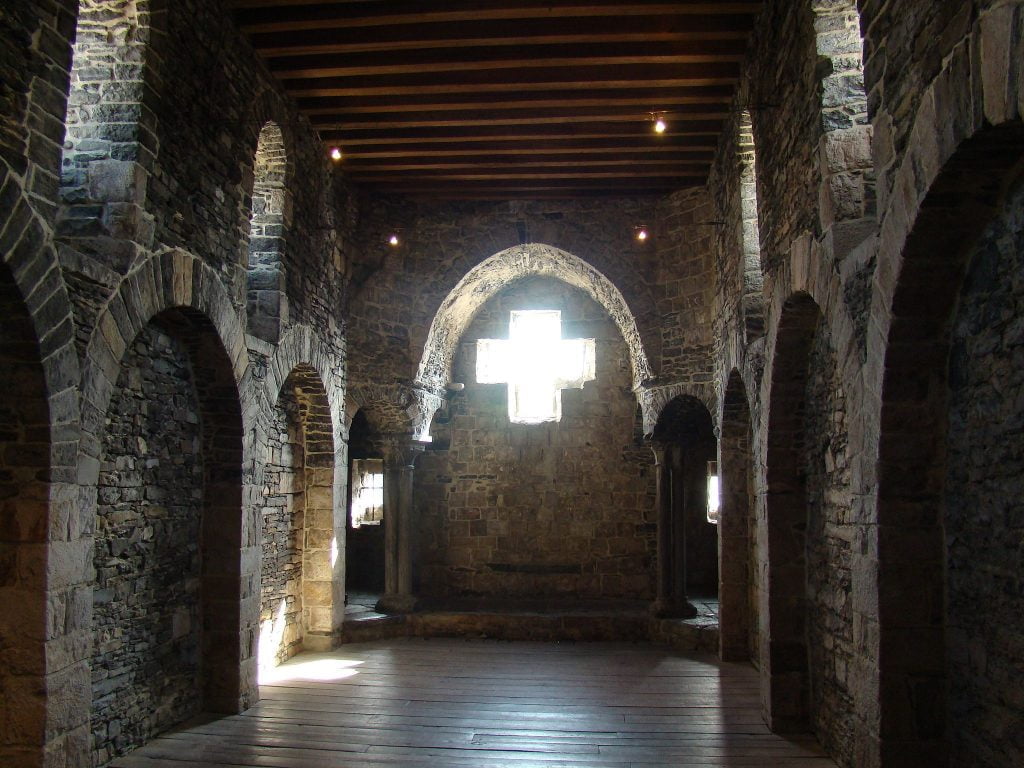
(364, 543)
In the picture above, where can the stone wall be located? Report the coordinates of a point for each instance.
(555, 509)
(984, 512)
(402, 288)
(829, 542)
(283, 535)
(146, 615)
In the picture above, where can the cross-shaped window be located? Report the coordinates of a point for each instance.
(536, 363)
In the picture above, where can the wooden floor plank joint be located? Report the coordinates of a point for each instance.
(486, 703)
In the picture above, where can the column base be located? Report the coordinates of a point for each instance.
(672, 610)
(394, 603)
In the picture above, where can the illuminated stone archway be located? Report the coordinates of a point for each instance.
(487, 278)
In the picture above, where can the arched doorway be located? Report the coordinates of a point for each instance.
(685, 440)
(364, 522)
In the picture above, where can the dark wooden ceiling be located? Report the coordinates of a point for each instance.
(509, 98)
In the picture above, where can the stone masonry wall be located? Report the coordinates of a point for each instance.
(556, 509)
(829, 543)
(400, 289)
(283, 534)
(984, 512)
(146, 621)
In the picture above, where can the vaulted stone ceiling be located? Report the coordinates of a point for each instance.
(509, 98)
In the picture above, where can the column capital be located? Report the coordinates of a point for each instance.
(658, 448)
(399, 450)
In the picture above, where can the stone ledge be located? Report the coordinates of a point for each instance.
(697, 634)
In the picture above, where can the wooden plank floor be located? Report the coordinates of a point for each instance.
(484, 704)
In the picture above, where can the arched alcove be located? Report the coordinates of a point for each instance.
(299, 544)
(166, 545)
(810, 641)
(266, 301)
(739, 584)
(949, 509)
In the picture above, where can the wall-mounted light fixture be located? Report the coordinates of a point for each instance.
(640, 232)
(336, 154)
(714, 493)
(394, 240)
(658, 119)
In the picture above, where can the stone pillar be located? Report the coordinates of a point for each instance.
(663, 505)
(671, 601)
(399, 458)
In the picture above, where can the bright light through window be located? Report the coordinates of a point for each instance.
(536, 363)
(367, 492)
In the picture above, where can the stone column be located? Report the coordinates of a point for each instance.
(399, 458)
(663, 506)
(671, 601)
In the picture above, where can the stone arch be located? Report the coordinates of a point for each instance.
(42, 651)
(808, 647)
(176, 289)
(923, 583)
(487, 278)
(784, 666)
(847, 196)
(269, 219)
(739, 578)
(39, 419)
(300, 529)
(110, 143)
(685, 442)
(752, 302)
(982, 121)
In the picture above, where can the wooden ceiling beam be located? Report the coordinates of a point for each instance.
(284, 17)
(356, 169)
(518, 59)
(705, 152)
(593, 31)
(679, 77)
(639, 99)
(569, 132)
(487, 119)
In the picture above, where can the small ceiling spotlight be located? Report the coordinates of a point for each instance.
(658, 118)
(336, 154)
(641, 232)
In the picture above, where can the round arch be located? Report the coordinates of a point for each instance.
(490, 276)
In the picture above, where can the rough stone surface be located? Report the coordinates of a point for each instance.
(146, 618)
(563, 508)
(152, 209)
(829, 543)
(984, 512)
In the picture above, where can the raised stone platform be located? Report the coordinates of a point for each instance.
(540, 619)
